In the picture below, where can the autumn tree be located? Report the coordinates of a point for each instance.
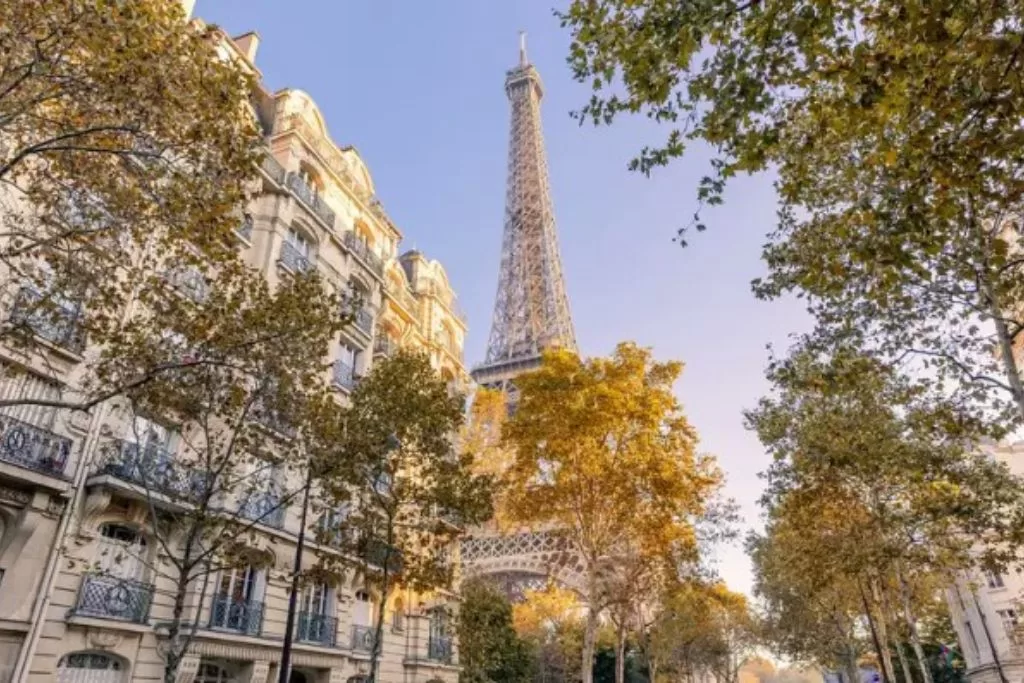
(127, 150)
(604, 456)
(221, 449)
(894, 129)
(490, 648)
(405, 489)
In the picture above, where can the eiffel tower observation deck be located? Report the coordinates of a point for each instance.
(531, 309)
(531, 314)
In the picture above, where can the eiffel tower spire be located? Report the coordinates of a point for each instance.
(531, 310)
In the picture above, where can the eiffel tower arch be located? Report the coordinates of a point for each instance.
(531, 314)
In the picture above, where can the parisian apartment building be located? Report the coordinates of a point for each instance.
(66, 616)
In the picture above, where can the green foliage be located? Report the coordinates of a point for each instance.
(893, 127)
(490, 649)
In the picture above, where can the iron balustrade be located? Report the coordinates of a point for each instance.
(32, 447)
(240, 616)
(245, 229)
(155, 469)
(439, 648)
(363, 321)
(317, 628)
(273, 168)
(308, 196)
(50, 317)
(363, 252)
(344, 376)
(263, 508)
(294, 260)
(111, 597)
(384, 346)
(362, 638)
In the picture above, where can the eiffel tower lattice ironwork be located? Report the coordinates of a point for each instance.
(531, 309)
(531, 314)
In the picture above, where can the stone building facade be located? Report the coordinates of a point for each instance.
(62, 514)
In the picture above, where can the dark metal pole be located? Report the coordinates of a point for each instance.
(293, 600)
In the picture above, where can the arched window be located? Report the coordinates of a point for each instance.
(298, 241)
(398, 616)
(90, 667)
(238, 601)
(362, 611)
(311, 179)
(121, 552)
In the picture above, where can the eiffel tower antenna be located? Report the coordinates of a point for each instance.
(531, 309)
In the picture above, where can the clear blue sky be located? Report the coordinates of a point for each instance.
(417, 87)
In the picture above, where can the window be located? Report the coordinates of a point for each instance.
(361, 611)
(89, 667)
(152, 436)
(994, 580)
(16, 384)
(398, 616)
(237, 605)
(239, 585)
(213, 672)
(311, 181)
(121, 552)
(974, 640)
(1010, 623)
(332, 525)
(297, 241)
(316, 600)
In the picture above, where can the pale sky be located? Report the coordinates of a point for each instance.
(417, 88)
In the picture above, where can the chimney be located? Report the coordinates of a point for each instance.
(247, 44)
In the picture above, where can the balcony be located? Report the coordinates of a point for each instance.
(272, 168)
(373, 551)
(362, 251)
(344, 376)
(362, 638)
(318, 629)
(244, 230)
(263, 508)
(439, 649)
(31, 447)
(308, 196)
(51, 317)
(110, 597)
(363, 321)
(240, 616)
(384, 346)
(293, 259)
(154, 468)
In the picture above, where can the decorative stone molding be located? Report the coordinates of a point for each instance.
(103, 639)
(259, 672)
(15, 496)
(187, 669)
(96, 503)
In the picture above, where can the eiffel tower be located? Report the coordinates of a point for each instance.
(531, 314)
(531, 309)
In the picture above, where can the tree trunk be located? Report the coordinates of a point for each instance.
(378, 628)
(620, 653)
(879, 632)
(915, 640)
(589, 638)
(904, 662)
(175, 651)
(1006, 354)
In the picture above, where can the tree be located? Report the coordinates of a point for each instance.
(604, 455)
(222, 448)
(407, 493)
(491, 649)
(127, 154)
(893, 127)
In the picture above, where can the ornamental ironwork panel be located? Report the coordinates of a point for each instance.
(317, 628)
(51, 317)
(263, 507)
(293, 259)
(32, 447)
(111, 597)
(362, 251)
(241, 616)
(155, 469)
(343, 375)
(308, 196)
(512, 545)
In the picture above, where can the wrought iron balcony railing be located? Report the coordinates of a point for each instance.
(344, 376)
(317, 628)
(154, 468)
(49, 316)
(363, 252)
(439, 648)
(244, 229)
(263, 508)
(363, 321)
(384, 346)
(362, 638)
(32, 447)
(308, 196)
(110, 597)
(272, 168)
(240, 616)
(294, 260)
